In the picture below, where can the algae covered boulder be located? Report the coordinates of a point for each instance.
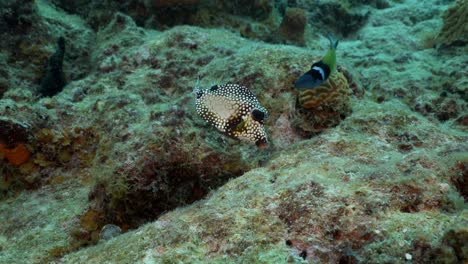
(293, 25)
(455, 29)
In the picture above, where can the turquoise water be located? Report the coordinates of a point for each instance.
(212, 131)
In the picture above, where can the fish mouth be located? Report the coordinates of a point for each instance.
(261, 143)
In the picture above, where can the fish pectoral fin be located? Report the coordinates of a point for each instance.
(306, 81)
(241, 126)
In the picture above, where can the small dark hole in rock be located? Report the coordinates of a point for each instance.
(303, 254)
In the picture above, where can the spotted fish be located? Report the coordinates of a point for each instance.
(235, 111)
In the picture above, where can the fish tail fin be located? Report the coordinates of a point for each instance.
(197, 88)
(333, 43)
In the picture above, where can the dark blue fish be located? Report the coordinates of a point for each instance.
(319, 71)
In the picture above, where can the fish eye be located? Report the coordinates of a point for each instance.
(258, 115)
(199, 93)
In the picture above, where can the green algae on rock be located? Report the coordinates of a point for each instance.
(455, 29)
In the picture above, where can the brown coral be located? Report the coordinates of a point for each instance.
(17, 155)
(293, 25)
(13, 137)
(455, 29)
(322, 107)
(334, 90)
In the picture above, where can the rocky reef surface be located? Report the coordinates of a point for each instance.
(117, 167)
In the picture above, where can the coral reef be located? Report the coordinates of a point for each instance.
(17, 17)
(323, 106)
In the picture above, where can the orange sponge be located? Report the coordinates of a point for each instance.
(17, 155)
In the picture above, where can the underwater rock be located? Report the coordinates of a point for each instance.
(251, 18)
(257, 9)
(12, 133)
(379, 4)
(120, 33)
(173, 3)
(452, 248)
(460, 178)
(462, 121)
(254, 19)
(100, 13)
(3, 88)
(284, 134)
(17, 16)
(20, 54)
(3, 85)
(109, 231)
(167, 14)
(444, 107)
(54, 79)
(37, 154)
(28, 45)
(4, 74)
(455, 29)
(17, 155)
(335, 17)
(293, 26)
(162, 177)
(322, 107)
